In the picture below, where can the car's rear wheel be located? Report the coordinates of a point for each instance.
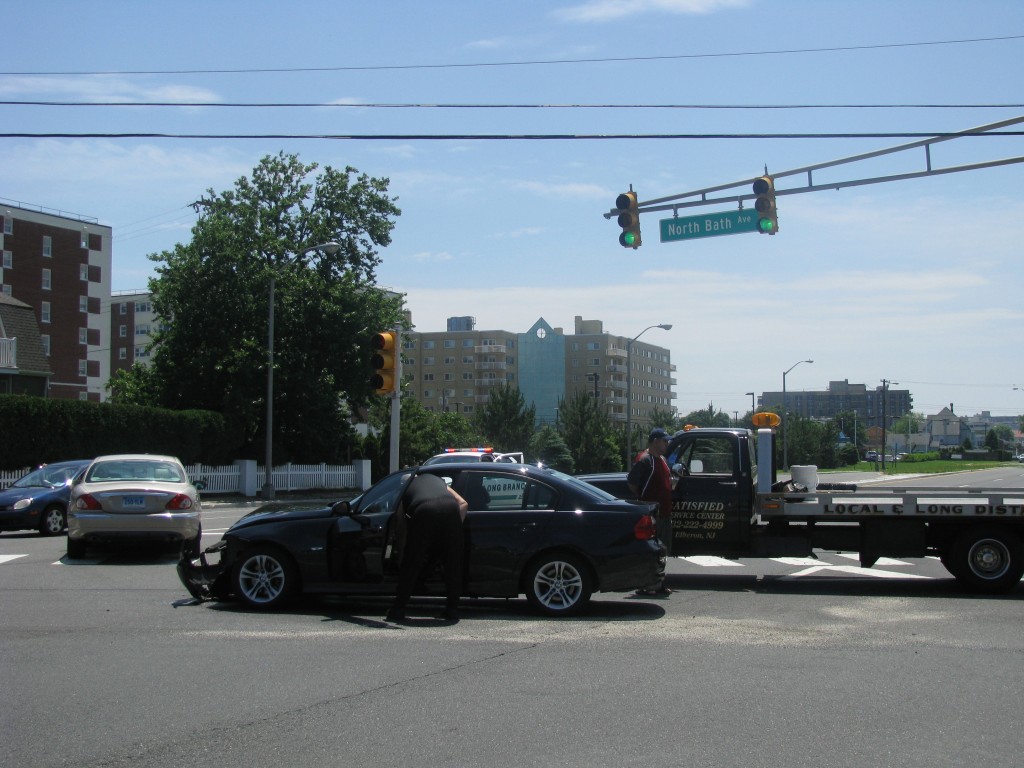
(265, 577)
(76, 548)
(558, 584)
(53, 521)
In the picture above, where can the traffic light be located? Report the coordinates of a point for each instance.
(384, 362)
(629, 220)
(764, 204)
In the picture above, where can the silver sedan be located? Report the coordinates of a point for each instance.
(134, 498)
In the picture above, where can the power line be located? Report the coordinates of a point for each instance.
(538, 62)
(508, 136)
(380, 105)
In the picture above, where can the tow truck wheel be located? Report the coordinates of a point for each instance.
(264, 577)
(52, 522)
(558, 584)
(987, 559)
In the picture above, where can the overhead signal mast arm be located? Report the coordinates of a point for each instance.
(675, 202)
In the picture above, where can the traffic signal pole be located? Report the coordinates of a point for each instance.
(396, 402)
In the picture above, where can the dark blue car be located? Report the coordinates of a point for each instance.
(39, 500)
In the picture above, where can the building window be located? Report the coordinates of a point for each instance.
(83, 303)
(467, 359)
(595, 361)
(83, 368)
(449, 376)
(467, 375)
(8, 260)
(45, 339)
(46, 279)
(410, 361)
(47, 246)
(142, 330)
(5, 290)
(8, 225)
(467, 393)
(143, 306)
(85, 239)
(44, 311)
(409, 345)
(428, 393)
(467, 343)
(124, 308)
(83, 335)
(83, 272)
(83, 395)
(122, 354)
(428, 377)
(428, 361)
(428, 345)
(449, 343)
(123, 331)
(449, 361)
(593, 345)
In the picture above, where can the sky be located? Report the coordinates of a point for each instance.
(917, 282)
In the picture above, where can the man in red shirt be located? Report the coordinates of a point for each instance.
(651, 480)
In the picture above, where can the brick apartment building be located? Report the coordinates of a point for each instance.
(57, 264)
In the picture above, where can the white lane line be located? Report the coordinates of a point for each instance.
(8, 558)
(880, 561)
(854, 570)
(710, 561)
(797, 560)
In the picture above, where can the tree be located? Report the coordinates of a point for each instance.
(134, 386)
(992, 440)
(589, 434)
(666, 419)
(505, 420)
(708, 417)
(212, 293)
(548, 448)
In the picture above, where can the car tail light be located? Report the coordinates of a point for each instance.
(86, 501)
(645, 528)
(180, 501)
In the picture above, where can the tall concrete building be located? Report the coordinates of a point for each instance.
(132, 324)
(842, 396)
(458, 368)
(59, 265)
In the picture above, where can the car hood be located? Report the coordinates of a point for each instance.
(11, 495)
(275, 513)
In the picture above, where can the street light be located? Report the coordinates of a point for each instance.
(785, 432)
(753, 405)
(629, 387)
(267, 492)
(885, 396)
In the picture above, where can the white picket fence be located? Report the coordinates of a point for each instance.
(228, 478)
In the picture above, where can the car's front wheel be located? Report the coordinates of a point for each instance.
(52, 522)
(265, 577)
(558, 584)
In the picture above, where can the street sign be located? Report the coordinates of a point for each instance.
(708, 225)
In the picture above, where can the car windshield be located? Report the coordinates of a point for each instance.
(45, 477)
(134, 470)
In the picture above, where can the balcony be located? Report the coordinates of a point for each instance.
(615, 368)
(484, 349)
(490, 366)
(488, 382)
(616, 352)
(9, 353)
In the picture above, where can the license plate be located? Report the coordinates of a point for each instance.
(133, 502)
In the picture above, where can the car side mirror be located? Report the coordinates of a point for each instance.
(696, 467)
(677, 470)
(341, 508)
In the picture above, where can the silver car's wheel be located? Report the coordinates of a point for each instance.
(52, 522)
(558, 584)
(264, 578)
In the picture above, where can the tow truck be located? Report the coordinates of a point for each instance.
(724, 504)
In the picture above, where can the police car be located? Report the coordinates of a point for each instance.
(462, 455)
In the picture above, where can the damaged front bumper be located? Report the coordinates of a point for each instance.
(205, 580)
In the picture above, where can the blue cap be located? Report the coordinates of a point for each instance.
(658, 433)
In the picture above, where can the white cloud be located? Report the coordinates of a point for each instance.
(609, 10)
(564, 191)
(97, 88)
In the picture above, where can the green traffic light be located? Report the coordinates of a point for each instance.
(629, 239)
(766, 225)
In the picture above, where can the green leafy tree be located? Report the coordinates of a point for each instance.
(666, 419)
(708, 417)
(548, 448)
(213, 294)
(992, 440)
(589, 434)
(505, 421)
(134, 386)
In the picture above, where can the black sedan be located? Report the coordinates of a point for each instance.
(529, 530)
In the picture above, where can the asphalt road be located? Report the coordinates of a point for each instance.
(107, 662)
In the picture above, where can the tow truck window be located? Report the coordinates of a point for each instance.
(707, 456)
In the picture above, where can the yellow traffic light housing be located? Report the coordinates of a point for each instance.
(384, 362)
(629, 220)
(764, 204)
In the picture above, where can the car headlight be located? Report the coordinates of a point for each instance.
(22, 503)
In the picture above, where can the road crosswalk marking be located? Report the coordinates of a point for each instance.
(8, 558)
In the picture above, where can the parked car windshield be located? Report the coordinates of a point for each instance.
(122, 469)
(45, 477)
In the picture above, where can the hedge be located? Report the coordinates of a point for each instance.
(38, 430)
